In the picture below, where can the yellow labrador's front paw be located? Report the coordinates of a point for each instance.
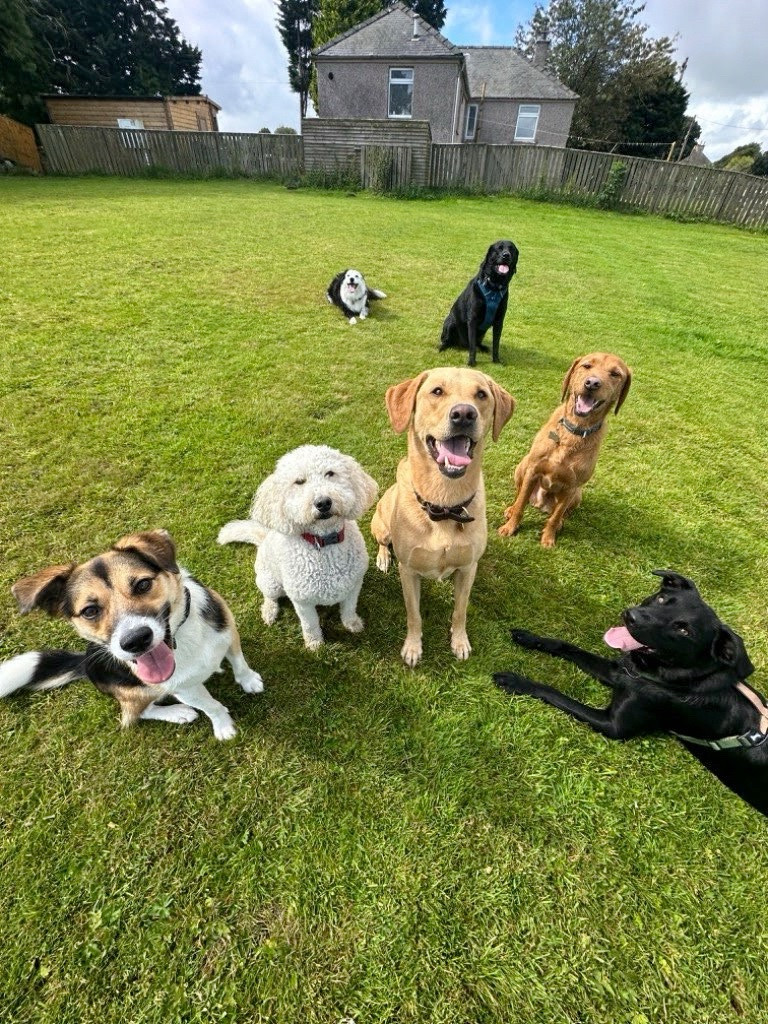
(383, 558)
(411, 652)
(461, 646)
(548, 539)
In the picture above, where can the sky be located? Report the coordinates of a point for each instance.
(244, 63)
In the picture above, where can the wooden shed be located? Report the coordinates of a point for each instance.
(175, 113)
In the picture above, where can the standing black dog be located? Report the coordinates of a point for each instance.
(681, 671)
(482, 304)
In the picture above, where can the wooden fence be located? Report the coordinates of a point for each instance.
(70, 150)
(386, 160)
(17, 143)
(653, 185)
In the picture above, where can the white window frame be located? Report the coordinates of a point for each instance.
(399, 81)
(471, 108)
(525, 113)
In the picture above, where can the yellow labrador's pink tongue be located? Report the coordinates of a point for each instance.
(620, 639)
(454, 451)
(156, 665)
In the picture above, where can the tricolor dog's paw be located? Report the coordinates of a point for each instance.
(251, 682)
(224, 728)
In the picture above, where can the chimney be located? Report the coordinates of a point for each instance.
(541, 51)
(415, 26)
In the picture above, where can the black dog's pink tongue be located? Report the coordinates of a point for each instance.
(621, 639)
(503, 268)
(156, 665)
(454, 451)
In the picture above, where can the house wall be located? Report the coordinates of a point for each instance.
(497, 120)
(191, 114)
(360, 89)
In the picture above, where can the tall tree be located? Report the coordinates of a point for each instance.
(603, 52)
(295, 22)
(657, 113)
(21, 62)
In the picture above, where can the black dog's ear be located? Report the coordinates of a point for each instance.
(673, 580)
(728, 648)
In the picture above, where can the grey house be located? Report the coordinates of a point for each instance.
(395, 66)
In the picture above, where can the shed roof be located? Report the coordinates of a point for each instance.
(506, 72)
(128, 99)
(390, 33)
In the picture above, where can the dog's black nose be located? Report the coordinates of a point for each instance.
(323, 505)
(463, 415)
(630, 619)
(137, 641)
(592, 383)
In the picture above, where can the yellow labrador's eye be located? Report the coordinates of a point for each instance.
(143, 586)
(91, 611)
(586, 366)
(481, 394)
(299, 482)
(330, 473)
(437, 391)
(615, 373)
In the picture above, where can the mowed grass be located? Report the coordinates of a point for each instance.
(377, 844)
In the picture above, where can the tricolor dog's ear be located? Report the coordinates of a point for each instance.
(673, 580)
(46, 589)
(504, 406)
(624, 391)
(567, 378)
(401, 399)
(728, 648)
(155, 547)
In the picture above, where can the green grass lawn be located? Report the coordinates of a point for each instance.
(377, 844)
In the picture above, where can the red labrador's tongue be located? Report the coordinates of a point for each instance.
(584, 405)
(156, 665)
(454, 451)
(620, 639)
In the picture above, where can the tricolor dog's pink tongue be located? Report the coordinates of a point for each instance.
(584, 405)
(156, 665)
(503, 268)
(454, 451)
(621, 639)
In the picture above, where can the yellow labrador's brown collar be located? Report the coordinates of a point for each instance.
(437, 513)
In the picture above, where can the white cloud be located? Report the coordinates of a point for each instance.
(471, 21)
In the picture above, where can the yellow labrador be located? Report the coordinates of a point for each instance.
(434, 515)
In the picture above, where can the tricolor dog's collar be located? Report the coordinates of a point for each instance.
(171, 637)
(437, 513)
(572, 428)
(324, 541)
(751, 738)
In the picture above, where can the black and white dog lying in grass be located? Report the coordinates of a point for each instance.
(153, 631)
(482, 304)
(681, 671)
(350, 293)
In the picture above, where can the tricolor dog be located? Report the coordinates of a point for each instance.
(153, 632)
(350, 293)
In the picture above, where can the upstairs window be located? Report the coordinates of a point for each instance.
(527, 122)
(470, 123)
(400, 92)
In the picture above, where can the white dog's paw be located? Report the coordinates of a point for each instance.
(269, 611)
(354, 624)
(383, 558)
(328, 297)
(251, 682)
(224, 728)
(461, 646)
(353, 319)
(364, 314)
(180, 714)
(313, 641)
(411, 652)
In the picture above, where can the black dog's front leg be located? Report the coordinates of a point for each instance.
(602, 669)
(610, 722)
(498, 323)
(472, 340)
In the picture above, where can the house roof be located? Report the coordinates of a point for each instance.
(128, 99)
(505, 72)
(390, 33)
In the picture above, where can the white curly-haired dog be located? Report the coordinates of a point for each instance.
(310, 547)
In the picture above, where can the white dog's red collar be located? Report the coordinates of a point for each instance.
(321, 542)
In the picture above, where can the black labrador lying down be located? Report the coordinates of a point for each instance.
(681, 671)
(482, 304)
